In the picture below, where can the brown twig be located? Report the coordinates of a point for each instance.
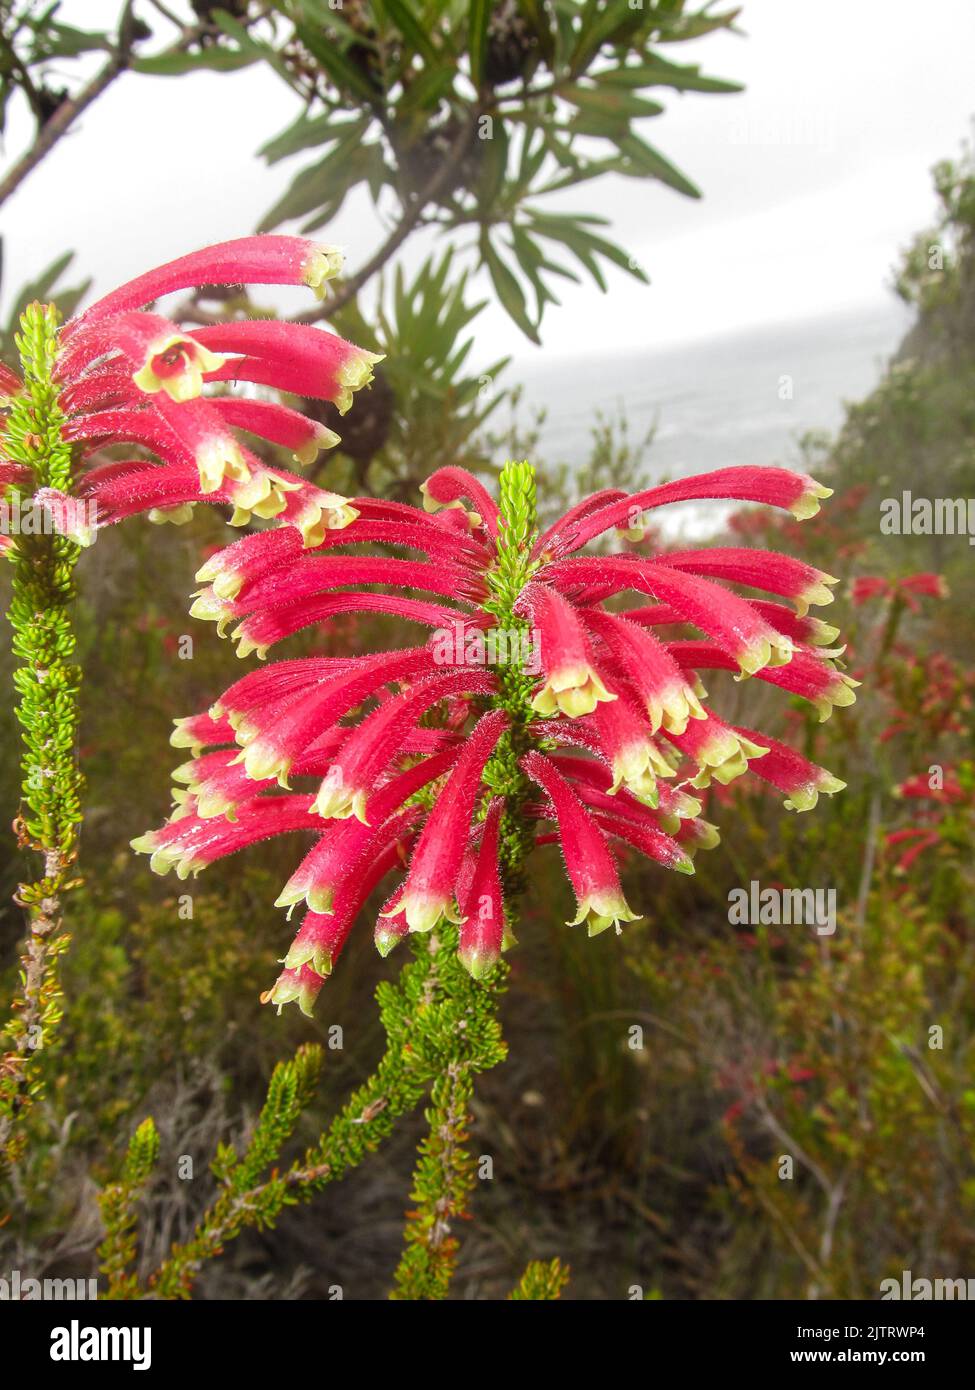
(71, 107)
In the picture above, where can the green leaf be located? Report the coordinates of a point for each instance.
(344, 74)
(610, 101)
(694, 26)
(598, 27)
(63, 41)
(427, 90)
(655, 71)
(584, 244)
(509, 292)
(477, 27)
(306, 134)
(212, 59)
(494, 167)
(646, 162)
(412, 30)
(319, 184)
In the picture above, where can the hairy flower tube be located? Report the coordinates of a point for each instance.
(130, 378)
(526, 711)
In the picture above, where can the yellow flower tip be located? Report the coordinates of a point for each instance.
(226, 585)
(804, 798)
(289, 992)
(210, 609)
(337, 802)
(764, 651)
(844, 692)
(324, 438)
(174, 516)
(245, 645)
(182, 738)
(220, 459)
(602, 910)
(430, 503)
(339, 511)
(262, 762)
(782, 652)
(574, 691)
(385, 940)
(685, 807)
(185, 773)
(708, 835)
(353, 375)
(308, 953)
(212, 804)
(327, 511)
(822, 634)
(754, 658)
(423, 911)
(680, 705)
(321, 265)
(815, 595)
(807, 504)
(176, 364)
(289, 895)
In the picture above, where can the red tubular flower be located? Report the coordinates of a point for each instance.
(669, 699)
(10, 383)
(776, 487)
(447, 486)
(482, 932)
(572, 684)
(429, 891)
(131, 376)
(423, 762)
(788, 771)
(588, 861)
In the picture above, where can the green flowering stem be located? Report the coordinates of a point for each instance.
(47, 684)
(445, 1172)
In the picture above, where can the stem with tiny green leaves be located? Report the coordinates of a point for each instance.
(47, 683)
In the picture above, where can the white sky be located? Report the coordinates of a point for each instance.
(813, 179)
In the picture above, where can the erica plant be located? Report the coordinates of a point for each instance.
(541, 699)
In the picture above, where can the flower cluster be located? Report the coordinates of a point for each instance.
(129, 376)
(906, 590)
(445, 771)
(942, 800)
(426, 761)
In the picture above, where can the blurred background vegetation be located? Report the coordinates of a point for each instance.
(655, 1165)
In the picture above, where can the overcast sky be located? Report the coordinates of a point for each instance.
(812, 179)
